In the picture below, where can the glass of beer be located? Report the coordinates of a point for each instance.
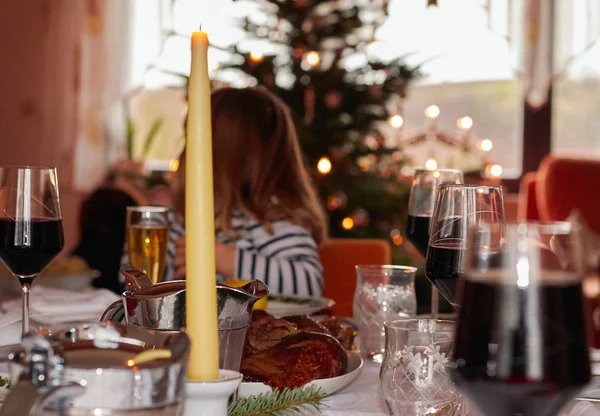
(147, 238)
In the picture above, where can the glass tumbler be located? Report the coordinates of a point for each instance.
(383, 293)
(413, 377)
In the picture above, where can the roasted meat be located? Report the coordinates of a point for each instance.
(344, 334)
(266, 331)
(307, 324)
(297, 360)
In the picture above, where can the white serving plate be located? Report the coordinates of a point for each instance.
(328, 385)
(287, 305)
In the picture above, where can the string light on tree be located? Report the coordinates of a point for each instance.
(257, 56)
(396, 121)
(432, 111)
(464, 123)
(485, 144)
(431, 164)
(324, 165)
(360, 217)
(313, 58)
(337, 200)
(347, 223)
(397, 156)
(334, 202)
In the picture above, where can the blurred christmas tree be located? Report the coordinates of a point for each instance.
(347, 106)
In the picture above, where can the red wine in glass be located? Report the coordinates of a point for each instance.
(420, 210)
(27, 246)
(444, 266)
(458, 208)
(521, 350)
(417, 232)
(30, 224)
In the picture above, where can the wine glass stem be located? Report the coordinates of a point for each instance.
(25, 289)
(435, 303)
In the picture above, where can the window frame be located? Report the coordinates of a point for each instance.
(537, 139)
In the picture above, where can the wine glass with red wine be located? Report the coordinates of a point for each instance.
(420, 210)
(521, 344)
(31, 232)
(457, 209)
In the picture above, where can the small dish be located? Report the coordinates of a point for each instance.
(328, 385)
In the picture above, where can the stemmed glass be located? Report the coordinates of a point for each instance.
(420, 209)
(457, 208)
(521, 344)
(31, 232)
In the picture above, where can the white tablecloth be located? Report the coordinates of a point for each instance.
(362, 398)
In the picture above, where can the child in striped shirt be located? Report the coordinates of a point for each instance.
(269, 223)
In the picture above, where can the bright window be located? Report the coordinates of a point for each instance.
(576, 106)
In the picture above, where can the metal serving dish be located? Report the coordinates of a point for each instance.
(92, 370)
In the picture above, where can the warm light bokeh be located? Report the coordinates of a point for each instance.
(313, 58)
(432, 111)
(431, 164)
(347, 223)
(396, 121)
(486, 145)
(464, 123)
(256, 56)
(324, 165)
(496, 170)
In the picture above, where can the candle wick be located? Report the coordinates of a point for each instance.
(200, 27)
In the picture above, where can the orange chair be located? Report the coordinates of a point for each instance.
(339, 258)
(527, 206)
(564, 184)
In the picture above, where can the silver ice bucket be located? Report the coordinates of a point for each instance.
(162, 307)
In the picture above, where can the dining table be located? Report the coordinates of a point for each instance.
(363, 398)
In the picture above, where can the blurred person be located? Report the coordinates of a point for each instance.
(102, 225)
(269, 223)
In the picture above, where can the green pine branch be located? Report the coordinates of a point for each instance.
(286, 402)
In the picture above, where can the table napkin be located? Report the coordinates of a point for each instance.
(50, 306)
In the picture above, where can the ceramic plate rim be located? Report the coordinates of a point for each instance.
(317, 303)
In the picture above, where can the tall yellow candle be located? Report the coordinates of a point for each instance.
(201, 292)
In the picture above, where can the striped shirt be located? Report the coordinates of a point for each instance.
(287, 260)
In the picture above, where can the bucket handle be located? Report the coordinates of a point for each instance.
(114, 313)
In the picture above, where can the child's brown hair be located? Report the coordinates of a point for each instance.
(257, 162)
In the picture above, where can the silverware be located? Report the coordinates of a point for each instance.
(588, 399)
